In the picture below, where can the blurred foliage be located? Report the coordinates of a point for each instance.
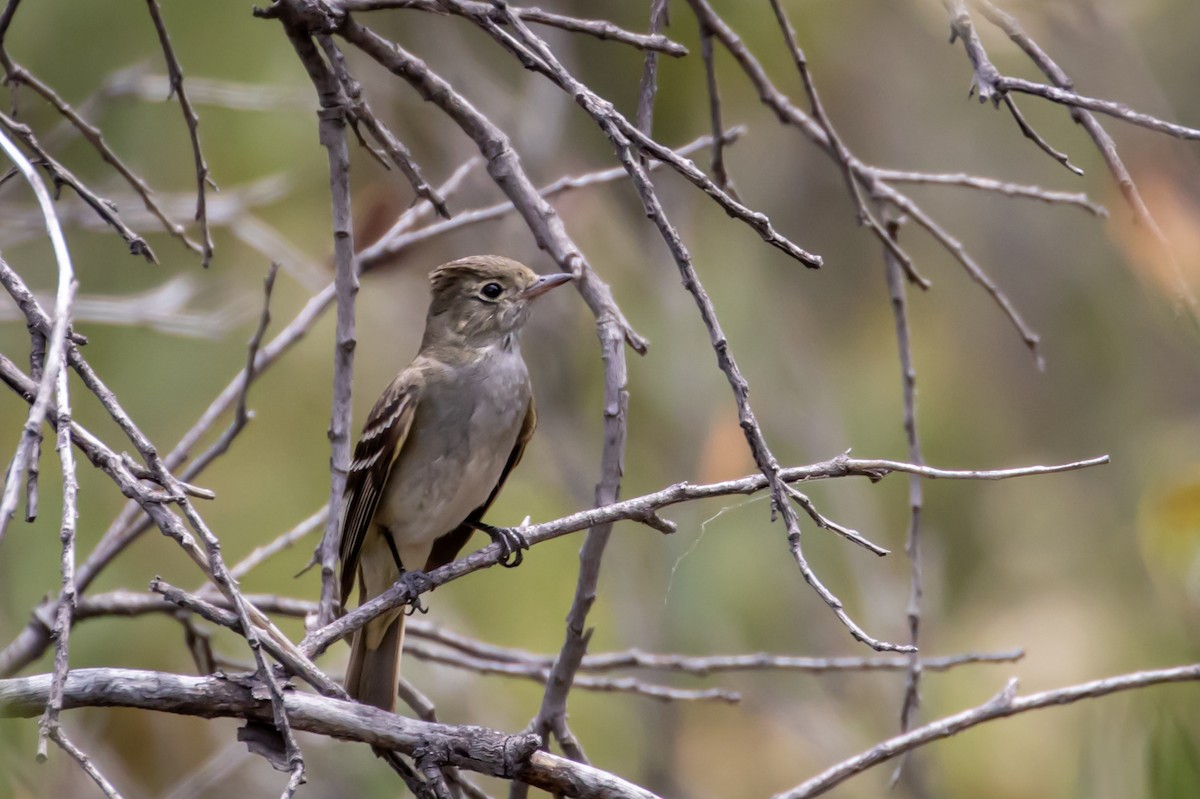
(1090, 572)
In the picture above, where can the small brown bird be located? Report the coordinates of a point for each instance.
(436, 450)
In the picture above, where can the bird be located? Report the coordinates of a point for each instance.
(436, 449)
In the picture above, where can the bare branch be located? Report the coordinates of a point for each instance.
(475, 748)
(601, 29)
(358, 112)
(1109, 107)
(55, 335)
(1004, 704)
(964, 180)
(636, 508)
(48, 726)
(841, 153)
(789, 114)
(648, 88)
(916, 492)
(332, 134)
(85, 763)
(609, 122)
(1103, 141)
(17, 74)
(987, 78)
(395, 241)
(541, 673)
(60, 175)
(192, 119)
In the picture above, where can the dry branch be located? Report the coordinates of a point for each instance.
(1004, 704)
(475, 748)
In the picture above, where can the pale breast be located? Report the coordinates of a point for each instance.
(465, 428)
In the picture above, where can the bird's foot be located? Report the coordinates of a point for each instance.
(417, 582)
(510, 540)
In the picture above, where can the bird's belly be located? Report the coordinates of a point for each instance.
(449, 467)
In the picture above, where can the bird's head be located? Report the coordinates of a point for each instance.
(483, 300)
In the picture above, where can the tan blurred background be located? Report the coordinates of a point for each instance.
(1092, 573)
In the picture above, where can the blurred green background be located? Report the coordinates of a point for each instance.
(1092, 573)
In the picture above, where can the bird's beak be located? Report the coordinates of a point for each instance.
(545, 283)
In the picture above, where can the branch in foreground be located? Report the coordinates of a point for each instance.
(56, 337)
(475, 748)
(640, 508)
(1004, 704)
(332, 134)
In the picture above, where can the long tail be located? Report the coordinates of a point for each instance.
(372, 674)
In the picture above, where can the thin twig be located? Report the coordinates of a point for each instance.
(49, 724)
(987, 78)
(719, 170)
(789, 114)
(916, 492)
(698, 665)
(964, 180)
(600, 28)
(79, 756)
(648, 88)
(1103, 141)
(94, 137)
(192, 120)
(37, 360)
(1004, 704)
(262, 553)
(541, 673)
(842, 154)
(242, 416)
(56, 336)
(61, 176)
(359, 112)
(1036, 137)
(395, 241)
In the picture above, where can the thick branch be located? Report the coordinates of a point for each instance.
(476, 748)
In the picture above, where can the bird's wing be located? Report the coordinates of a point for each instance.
(446, 548)
(378, 447)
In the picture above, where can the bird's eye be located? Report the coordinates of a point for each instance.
(492, 290)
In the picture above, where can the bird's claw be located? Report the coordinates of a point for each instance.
(417, 582)
(511, 541)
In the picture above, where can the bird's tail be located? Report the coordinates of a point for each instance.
(372, 674)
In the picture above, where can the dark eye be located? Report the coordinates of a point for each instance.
(492, 290)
